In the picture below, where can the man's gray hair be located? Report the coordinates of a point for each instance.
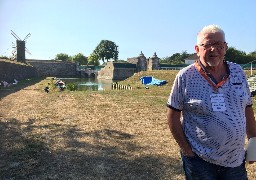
(209, 29)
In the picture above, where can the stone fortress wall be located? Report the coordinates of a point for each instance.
(116, 71)
(121, 71)
(10, 70)
(54, 68)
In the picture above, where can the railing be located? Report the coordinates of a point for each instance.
(121, 87)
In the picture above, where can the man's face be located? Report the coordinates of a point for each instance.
(212, 49)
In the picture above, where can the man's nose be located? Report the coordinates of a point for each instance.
(212, 47)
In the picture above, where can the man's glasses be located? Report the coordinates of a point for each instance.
(216, 45)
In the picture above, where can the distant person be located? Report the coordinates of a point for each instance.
(60, 84)
(47, 88)
(15, 81)
(210, 112)
(6, 84)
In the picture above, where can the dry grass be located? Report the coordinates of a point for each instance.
(89, 135)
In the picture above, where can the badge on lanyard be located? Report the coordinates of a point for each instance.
(218, 102)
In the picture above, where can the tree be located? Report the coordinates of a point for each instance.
(3, 57)
(106, 50)
(252, 55)
(164, 60)
(236, 56)
(62, 56)
(184, 55)
(80, 58)
(177, 58)
(93, 59)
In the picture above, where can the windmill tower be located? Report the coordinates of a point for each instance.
(20, 47)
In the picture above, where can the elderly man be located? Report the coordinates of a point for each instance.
(216, 106)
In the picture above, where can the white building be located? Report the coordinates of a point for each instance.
(191, 59)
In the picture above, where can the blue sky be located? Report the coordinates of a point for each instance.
(162, 26)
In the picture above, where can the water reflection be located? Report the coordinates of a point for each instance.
(92, 84)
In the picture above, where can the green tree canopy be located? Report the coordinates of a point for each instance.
(62, 56)
(106, 50)
(93, 59)
(3, 57)
(80, 58)
(252, 55)
(176, 58)
(236, 56)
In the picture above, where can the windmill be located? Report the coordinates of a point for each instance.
(20, 47)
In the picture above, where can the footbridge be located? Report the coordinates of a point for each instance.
(88, 71)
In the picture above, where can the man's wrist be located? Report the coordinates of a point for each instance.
(188, 153)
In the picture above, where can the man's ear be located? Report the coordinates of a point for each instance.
(197, 50)
(226, 46)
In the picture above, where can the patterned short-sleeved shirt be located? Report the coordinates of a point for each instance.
(216, 136)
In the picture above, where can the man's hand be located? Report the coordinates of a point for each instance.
(188, 153)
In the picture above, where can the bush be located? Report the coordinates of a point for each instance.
(72, 87)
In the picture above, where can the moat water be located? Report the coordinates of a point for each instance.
(93, 84)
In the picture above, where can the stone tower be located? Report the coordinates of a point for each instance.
(153, 63)
(20, 51)
(142, 63)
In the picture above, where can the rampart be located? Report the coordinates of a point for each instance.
(117, 71)
(10, 70)
(47, 68)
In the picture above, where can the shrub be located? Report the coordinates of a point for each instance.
(72, 87)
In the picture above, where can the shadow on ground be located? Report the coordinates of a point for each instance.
(4, 91)
(110, 154)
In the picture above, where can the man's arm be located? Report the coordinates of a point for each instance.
(250, 122)
(177, 131)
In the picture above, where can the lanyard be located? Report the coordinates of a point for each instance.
(203, 73)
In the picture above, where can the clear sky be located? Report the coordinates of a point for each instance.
(162, 26)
